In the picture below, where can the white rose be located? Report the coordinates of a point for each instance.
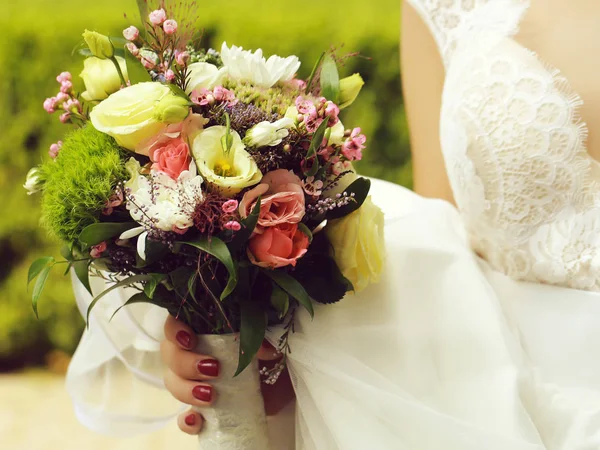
(244, 65)
(101, 78)
(270, 134)
(203, 75)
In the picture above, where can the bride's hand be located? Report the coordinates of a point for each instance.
(189, 374)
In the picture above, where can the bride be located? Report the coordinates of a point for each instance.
(484, 329)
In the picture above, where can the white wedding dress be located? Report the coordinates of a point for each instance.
(451, 350)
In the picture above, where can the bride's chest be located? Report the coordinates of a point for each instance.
(519, 119)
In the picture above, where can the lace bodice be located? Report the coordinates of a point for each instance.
(515, 147)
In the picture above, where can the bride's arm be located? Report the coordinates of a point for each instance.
(422, 80)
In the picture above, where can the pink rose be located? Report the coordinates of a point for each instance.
(282, 199)
(278, 246)
(172, 157)
(187, 130)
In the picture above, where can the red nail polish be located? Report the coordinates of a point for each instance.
(190, 420)
(203, 393)
(209, 367)
(184, 338)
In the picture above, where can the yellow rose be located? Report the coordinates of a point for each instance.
(129, 115)
(228, 171)
(101, 77)
(358, 244)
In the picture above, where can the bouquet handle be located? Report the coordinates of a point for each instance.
(237, 419)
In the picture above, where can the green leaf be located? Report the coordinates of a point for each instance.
(315, 145)
(153, 283)
(37, 266)
(176, 90)
(360, 188)
(138, 298)
(180, 276)
(302, 227)
(217, 248)
(321, 276)
(82, 271)
(66, 252)
(39, 287)
(227, 139)
(252, 332)
(99, 232)
(290, 285)
(280, 300)
(155, 251)
(313, 73)
(143, 9)
(136, 71)
(126, 282)
(330, 80)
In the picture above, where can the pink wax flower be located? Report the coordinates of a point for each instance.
(172, 157)
(182, 58)
(353, 146)
(50, 105)
(72, 105)
(62, 97)
(133, 49)
(64, 76)
(233, 225)
(115, 200)
(66, 87)
(298, 84)
(224, 95)
(54, 149)
(131, 33)
(230, 206)
(278, 246)
(333, 111)
(148, 63)
(157, 17)
(340, 167)
(170, 26)
(64, 118)
(312, 187)
(282, 199)
(97, 250)
(169, 75)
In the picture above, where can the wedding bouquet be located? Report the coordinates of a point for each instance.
(216, 184)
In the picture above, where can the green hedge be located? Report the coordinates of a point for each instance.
(40, 36)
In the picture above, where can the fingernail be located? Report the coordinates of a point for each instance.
(184, 338)
(203, 393)
(190, 420)
(209, 367)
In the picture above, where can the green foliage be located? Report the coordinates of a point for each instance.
(80, 181)
(42, 38)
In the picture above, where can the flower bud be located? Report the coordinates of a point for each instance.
(131, 33)
(172, 109)
(170, 27)
(349, 89)
(33, 183)
(99, 45)
(268, 134)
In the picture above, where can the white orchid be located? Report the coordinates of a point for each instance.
(161, 203)
(266, 133)
(244, 65)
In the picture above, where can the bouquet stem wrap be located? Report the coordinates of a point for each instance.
(237, 419)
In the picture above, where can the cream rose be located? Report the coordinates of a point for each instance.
(129, 115)
(228, 171)
(358, 244)
(101, 77)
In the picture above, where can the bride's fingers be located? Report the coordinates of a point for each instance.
(190, 422)
(188, 365)
(179, 333)
(189, 392)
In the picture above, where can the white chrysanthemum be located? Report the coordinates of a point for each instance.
(244, 65)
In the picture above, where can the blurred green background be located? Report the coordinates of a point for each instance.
(37, 44)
